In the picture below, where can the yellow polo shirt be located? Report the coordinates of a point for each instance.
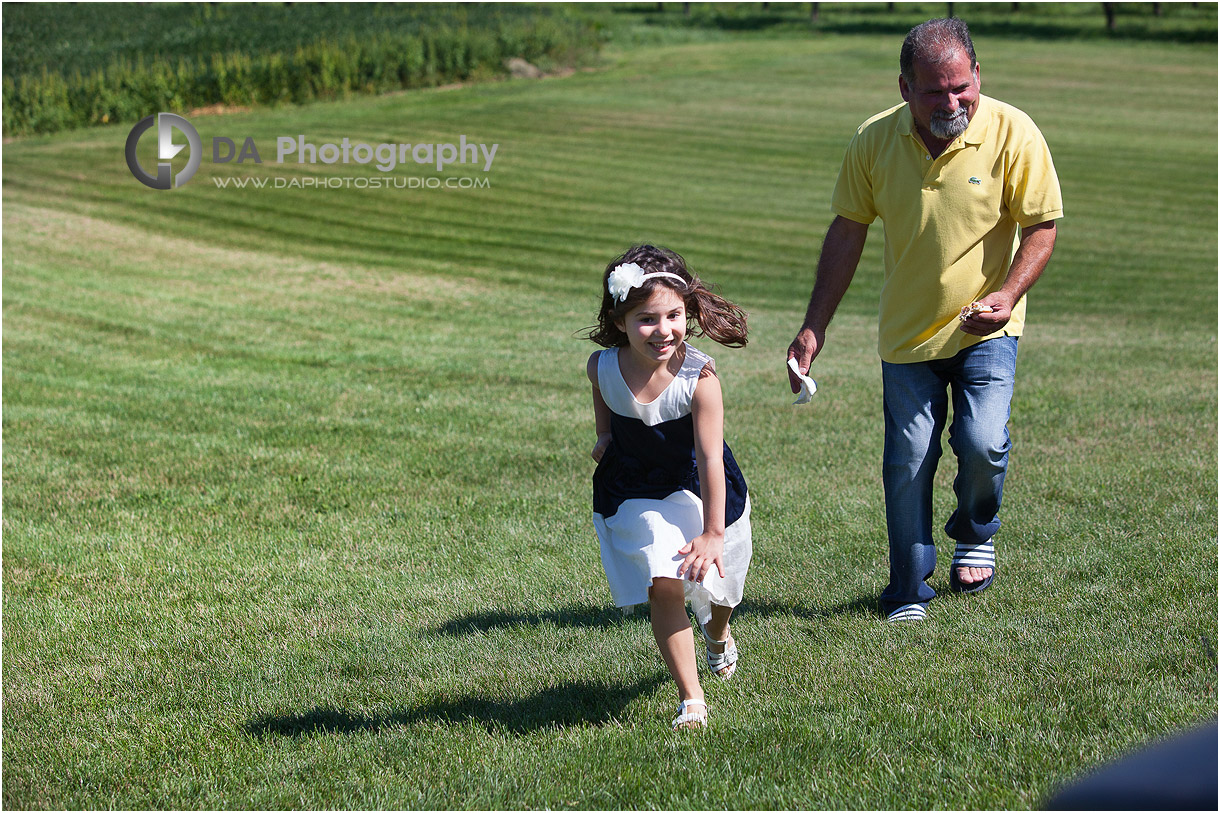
(951, 223)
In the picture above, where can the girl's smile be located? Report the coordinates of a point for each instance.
(656, 327)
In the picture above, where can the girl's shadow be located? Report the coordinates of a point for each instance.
(569, 704)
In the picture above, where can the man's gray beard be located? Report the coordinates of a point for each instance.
(949, 128)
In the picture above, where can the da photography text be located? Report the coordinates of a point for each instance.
(384, 156)
(298, 149)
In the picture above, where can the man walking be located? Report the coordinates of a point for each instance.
(968, 193)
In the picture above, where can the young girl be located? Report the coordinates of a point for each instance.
(669, 503)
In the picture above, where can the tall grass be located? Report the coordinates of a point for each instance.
(296, 502)
(261, 56)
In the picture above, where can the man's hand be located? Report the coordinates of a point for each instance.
(804, 348)
(985, 322)
(1033, 253)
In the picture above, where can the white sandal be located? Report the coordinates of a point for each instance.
(723, 663)
(687, 719)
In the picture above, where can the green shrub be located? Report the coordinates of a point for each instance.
(126, 90)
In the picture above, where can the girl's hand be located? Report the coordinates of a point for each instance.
(599, 449)
(701, 553)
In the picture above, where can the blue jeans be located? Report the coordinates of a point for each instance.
(980, 380)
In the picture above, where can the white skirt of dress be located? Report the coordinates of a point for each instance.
(641, 542)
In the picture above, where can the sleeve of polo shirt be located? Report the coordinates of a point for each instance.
(853, 195)
(1031, 190)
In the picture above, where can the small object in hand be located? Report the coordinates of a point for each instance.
(808, 385)
(973, 309)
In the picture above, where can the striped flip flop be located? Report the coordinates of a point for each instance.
(980, 555)
(909, 612)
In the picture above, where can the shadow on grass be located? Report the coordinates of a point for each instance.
(862, 605)
(878, 20)
(1040, 30)
(573, 615)
(578, 615)
(575, 703)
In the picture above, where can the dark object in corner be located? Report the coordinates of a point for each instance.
(1175, 774)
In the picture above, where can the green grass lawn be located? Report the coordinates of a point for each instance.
(296, 482)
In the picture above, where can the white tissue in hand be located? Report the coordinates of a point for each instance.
(808, 385)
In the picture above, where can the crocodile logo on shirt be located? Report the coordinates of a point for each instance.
(975, 181)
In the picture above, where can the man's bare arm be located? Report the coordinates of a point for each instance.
(837, 264)
(1033, 254)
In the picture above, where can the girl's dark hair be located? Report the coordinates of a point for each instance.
(713, 315)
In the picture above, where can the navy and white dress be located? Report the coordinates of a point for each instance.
(646, 492)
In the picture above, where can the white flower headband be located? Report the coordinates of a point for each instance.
(629, 275)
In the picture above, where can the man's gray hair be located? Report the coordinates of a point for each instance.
(933, 43)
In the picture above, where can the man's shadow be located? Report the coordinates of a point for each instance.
(580, 615)
(569, 704)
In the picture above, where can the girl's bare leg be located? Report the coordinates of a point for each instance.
(676, 640)
(718, 628)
